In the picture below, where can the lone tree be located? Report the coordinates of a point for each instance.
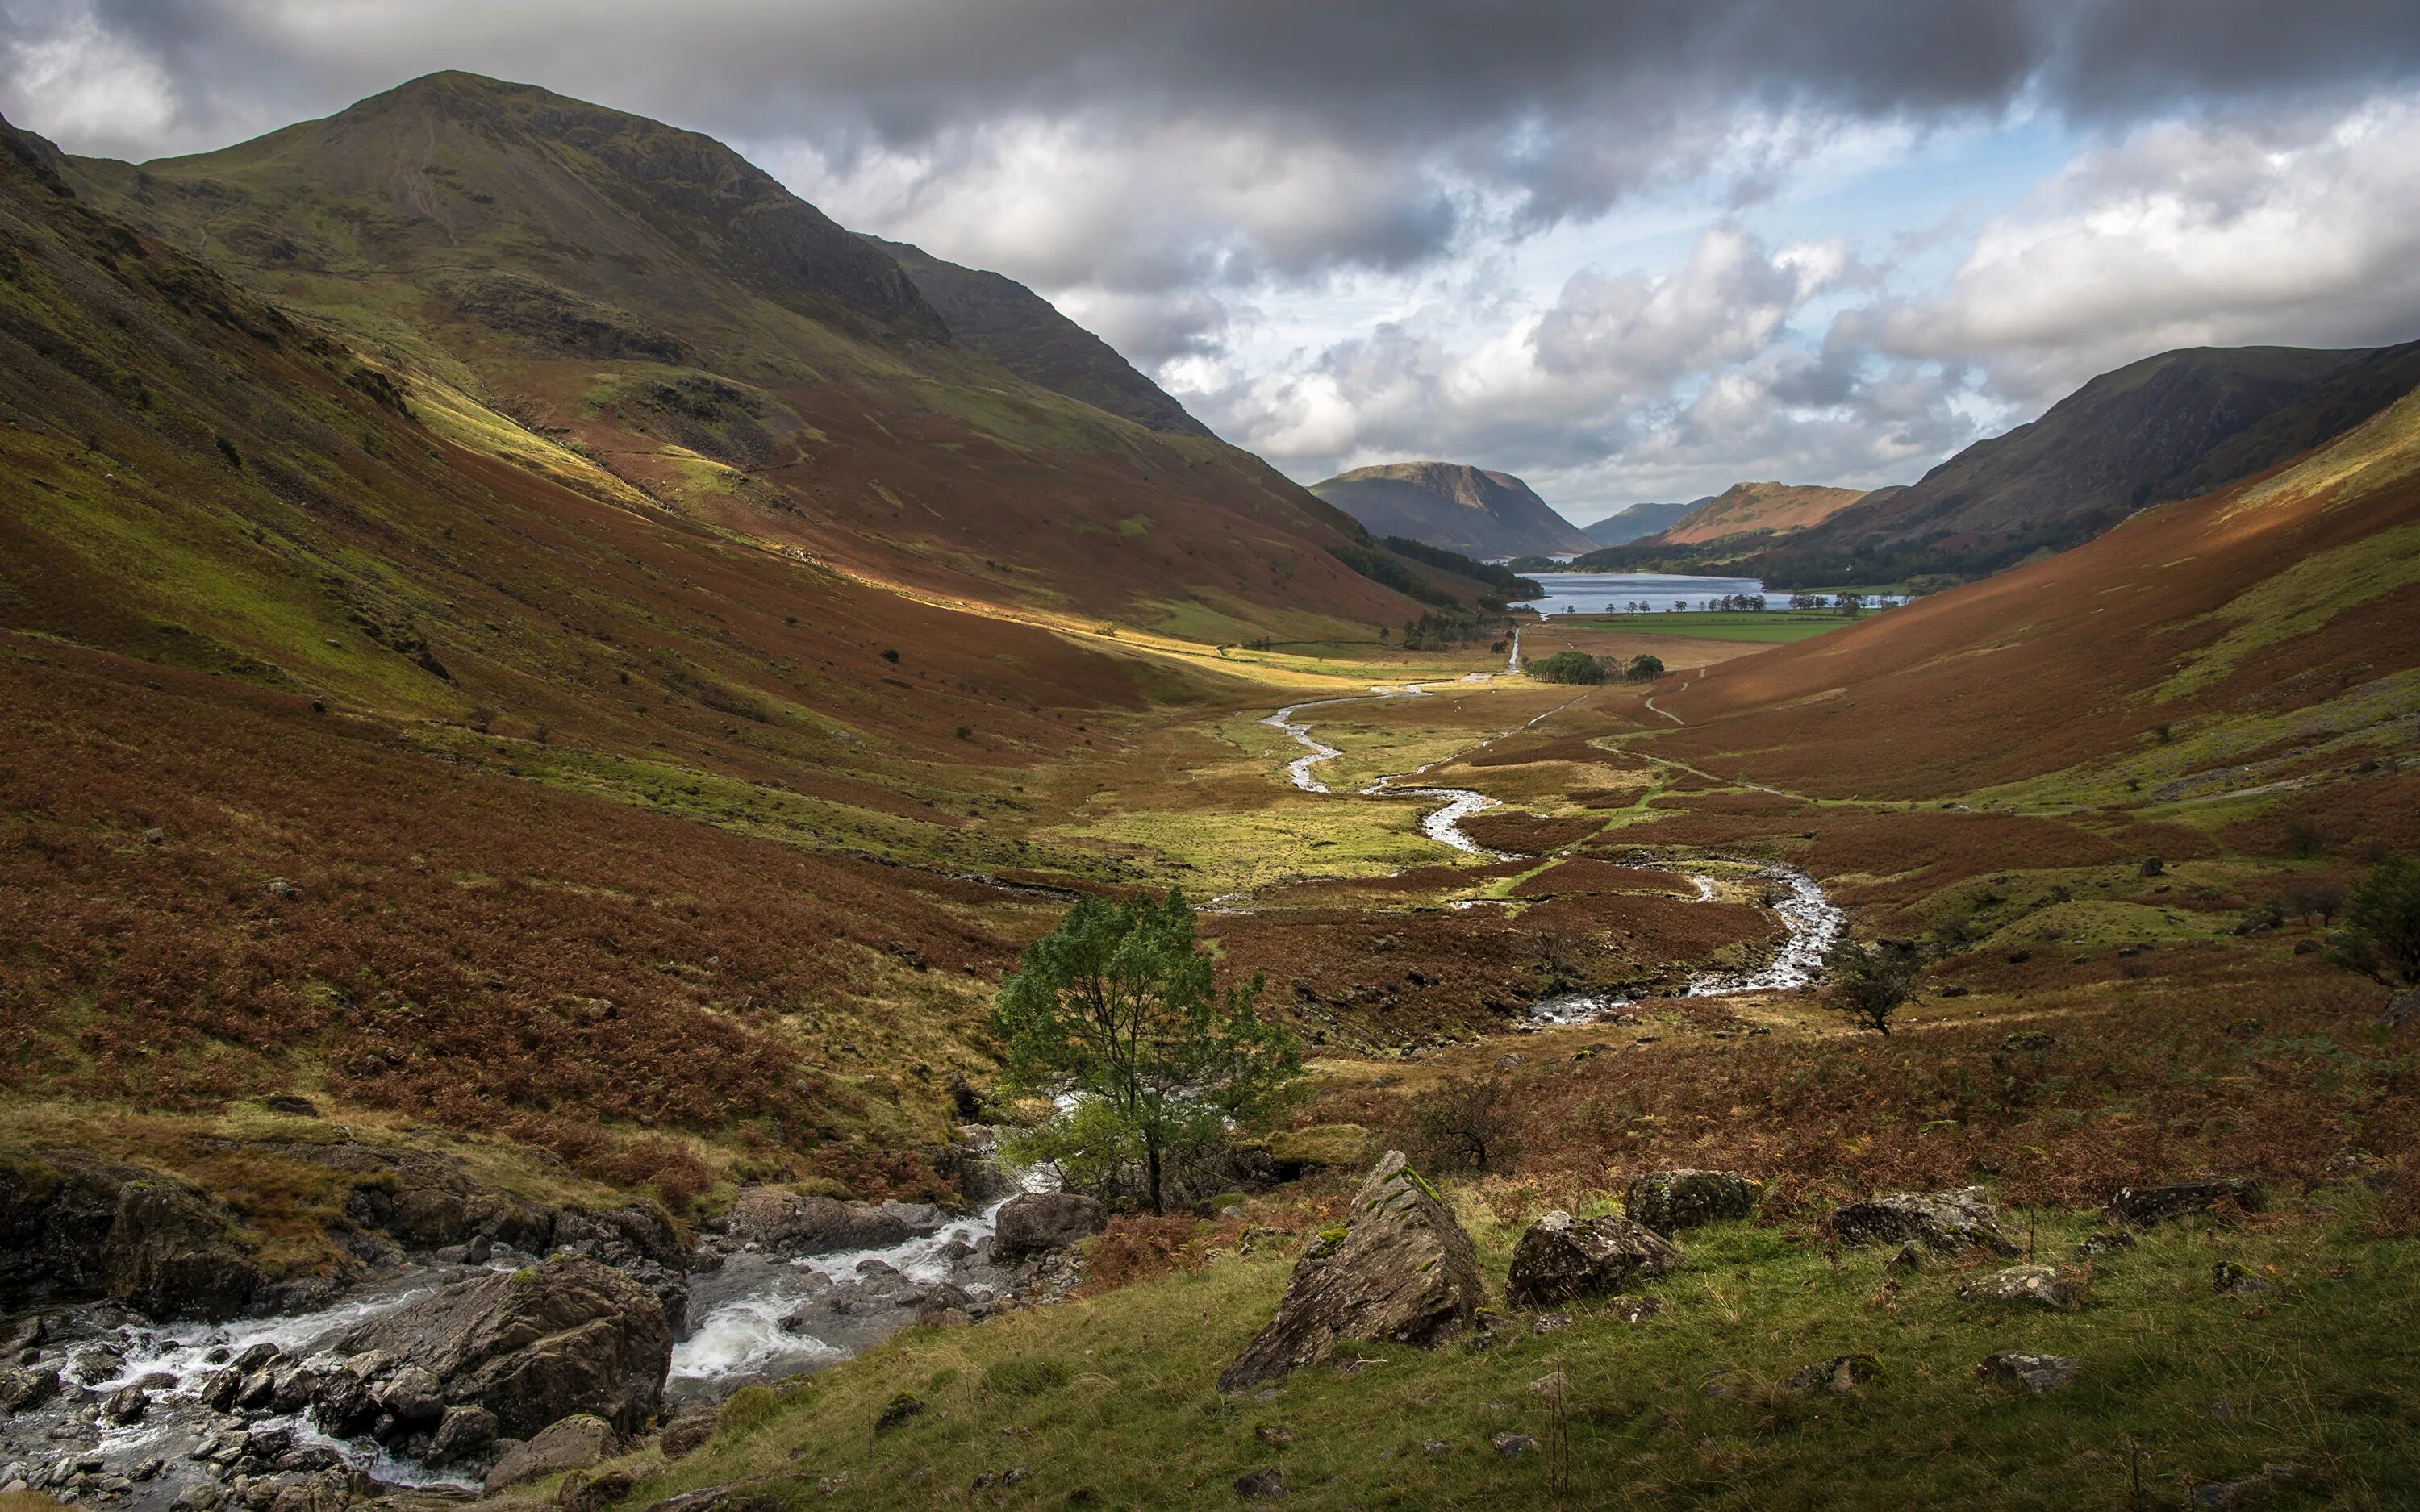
(1645, 668)
(1871, 982)
(2382, 923)
(1118, 1000)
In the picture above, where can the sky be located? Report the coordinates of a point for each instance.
(1629, 249)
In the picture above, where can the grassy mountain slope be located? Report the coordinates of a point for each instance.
(2168, 428)
(1765, 509)
(643, 304)
(2275, 620)
(1022, 332)
(1462, 508)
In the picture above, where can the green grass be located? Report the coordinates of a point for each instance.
(1110, 1402)
(1772, 628)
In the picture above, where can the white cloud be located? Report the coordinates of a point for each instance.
(2303, 231)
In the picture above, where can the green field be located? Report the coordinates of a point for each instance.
(1778, 627)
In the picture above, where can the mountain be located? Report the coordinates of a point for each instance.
(1638, 520)
(1462, 508)
(2168, 428)
(1764, 509)
(1024, 333)
(583, 290)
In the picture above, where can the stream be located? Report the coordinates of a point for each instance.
(1811, 923)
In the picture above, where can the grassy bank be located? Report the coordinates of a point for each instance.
(1688, 1407)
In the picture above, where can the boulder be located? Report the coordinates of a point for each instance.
(2143, 1206)
(1266, 1484)
(412, 1396)
(575, 1443)
(2037, 1373)
(1669, 1201)
(1560, 1257)
(2401, 1008)
(22, 1391)
(684, 1436)
(1949, 1223)
(1040, 1221)
(463, 1433)
(1401, 1269)
(2040, 1284)
(531, 1346)
(778, 1218)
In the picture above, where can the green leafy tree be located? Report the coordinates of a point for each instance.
(1118, 1000)
(1869, 983)
(2381, 933)
(1645, 668)
(1566, 667)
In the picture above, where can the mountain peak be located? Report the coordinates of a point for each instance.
(1452, 504)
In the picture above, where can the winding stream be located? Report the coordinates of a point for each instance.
(1811, 922)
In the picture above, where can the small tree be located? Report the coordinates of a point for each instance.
(1871, 982)
(1566, 667)
(1465, 1125)
(1645, 668)
(2382, 922)
(1118, 1000)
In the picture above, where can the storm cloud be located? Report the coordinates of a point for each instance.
(1352, 230)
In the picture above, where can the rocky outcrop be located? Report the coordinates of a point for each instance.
(75, 1226)
(2143, 1206)
(531, 1346)
(778, 1218)
(1947, 1223)
(1561, 1258)
(1401, 1270)
(1669, 1201)
(1041, 1221)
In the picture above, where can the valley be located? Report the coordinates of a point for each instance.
(568, 718)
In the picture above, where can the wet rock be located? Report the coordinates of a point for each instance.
(22, 1391)
(463, 1433)
(1560, 1257)
(1040, 1221)
(533, 1346)
(327, 1491)
(2036, 1373)
(2040, 1284)
(412, 1396)
(1669, 1201)
(1403, 1269)
(1266, 1484)
(575, 1443)
(2142, 1207)
(778, 1218)
(1947, 1223)
(1841, 1373)
(126, 1405)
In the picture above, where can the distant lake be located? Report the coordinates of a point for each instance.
(1596, 592)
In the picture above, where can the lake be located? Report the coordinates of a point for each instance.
(1596, 592)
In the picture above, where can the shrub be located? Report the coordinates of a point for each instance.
(1465, 1124)
(1566, 667)
(2382, 922)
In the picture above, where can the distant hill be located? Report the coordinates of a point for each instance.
(1628, 525)
(2168, 427)
(1025, 334)
(1462, 508)
(1757, 509)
